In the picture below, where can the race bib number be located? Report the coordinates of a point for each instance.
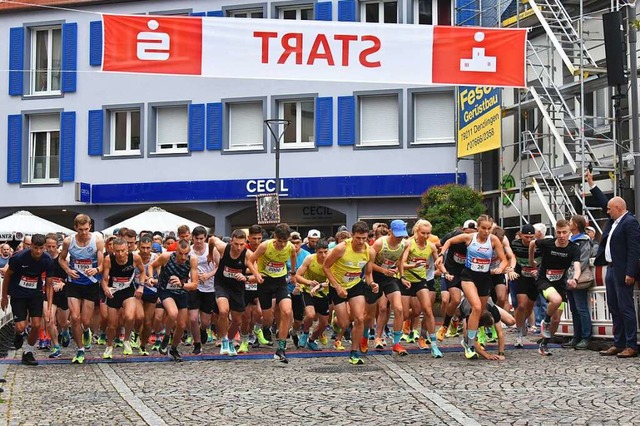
(350, 277)
(171, 286)
(422, 260)
(528, 271)
(29, 283)
(230, 272)
(82, 265)
(251, 286)
(459, 258)
(480, 265)
(554, 274)
(274, 267)
(387, 264)
(120, 283)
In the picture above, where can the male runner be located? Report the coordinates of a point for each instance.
(60, 308)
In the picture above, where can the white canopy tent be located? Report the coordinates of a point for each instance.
(26, 223)
(154, 219)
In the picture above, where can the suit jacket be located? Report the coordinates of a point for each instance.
(625, 241)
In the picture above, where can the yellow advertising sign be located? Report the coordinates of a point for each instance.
(479, 115)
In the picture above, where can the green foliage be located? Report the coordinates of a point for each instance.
(448, 206)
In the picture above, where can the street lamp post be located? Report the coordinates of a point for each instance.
(274, 127)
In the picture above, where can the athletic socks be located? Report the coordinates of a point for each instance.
(396, 336)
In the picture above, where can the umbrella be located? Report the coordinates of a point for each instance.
(26, 223)
(154, 219)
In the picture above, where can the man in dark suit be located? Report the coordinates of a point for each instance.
(620, 251)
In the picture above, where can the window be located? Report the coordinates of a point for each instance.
(379, 124)
(172, 129)
(246, 13)
(124, 132)
(301, 114)
(246, 126)
(433, 118)
(44, 148)
(596, 111)
(299, 13)
(46, 60)
(379, 12)
(432, 12)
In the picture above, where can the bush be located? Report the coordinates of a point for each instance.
(448, 206)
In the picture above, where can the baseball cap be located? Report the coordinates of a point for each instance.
(295, 236)
(399, 228)
(314, 233)
(470, 224)
(528, 229)
(590, 228)
(156, 248)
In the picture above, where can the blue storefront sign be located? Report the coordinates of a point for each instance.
(303, 187)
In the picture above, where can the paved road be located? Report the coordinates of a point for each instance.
(569, 387)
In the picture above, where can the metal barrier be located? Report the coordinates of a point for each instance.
(602, 326)
(6, 317)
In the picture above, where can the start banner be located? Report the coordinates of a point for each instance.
(314, 50)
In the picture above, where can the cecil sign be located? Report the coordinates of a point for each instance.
(314, 50)
(479, 116)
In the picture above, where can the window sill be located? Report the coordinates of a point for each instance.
(47, 95)
(377, 144)
(41, 184)
(297, 146)
(123, 155)
(433, 142)
(169, 153)
(245, 148)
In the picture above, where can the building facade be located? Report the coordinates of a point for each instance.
(111, 145)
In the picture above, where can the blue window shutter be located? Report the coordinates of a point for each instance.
(95, 43)
(324, 121)
(198, 14)
(14, 149)
(96, 132)
(69, 57)
(214, 126)
(16, 61)
(346, 120)
(323, 11)
(196, 127)
(217, 13)
(347, 10)
(67, 146)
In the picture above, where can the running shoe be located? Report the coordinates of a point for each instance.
(127, 348)
(399, 350)
(469, 352)
(108, 353)
(337, 345)
(197, 349)
(260, 336)
(232, 351)
(571, 343)
(354, 359)
(404, 337)
(224, 348)
(142, 351)
(364, 345)
(311, 344)
(117, 342)
(294, 337)
(66, 339)
(244, 347)
(452, 331)
(422, 343)
(543, 350)
(86, 339)
(281, 356)
(29, 359)
(441, 334)
(188, 341)
(436, 352)
(406, 327)
(134, 339)
(156, 346)
(210, 336)
(164, 346)
(324, 340)
(302, 341)
(79, 358)
(518, 343)
(544, 329)
(379, 345)
(175, 354)
(57, 352)
(102, 340)
(414, 335)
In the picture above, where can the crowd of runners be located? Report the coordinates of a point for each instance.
(146, 292)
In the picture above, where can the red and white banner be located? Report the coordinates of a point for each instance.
(315, 50)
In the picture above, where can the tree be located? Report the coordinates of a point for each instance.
(448, 206)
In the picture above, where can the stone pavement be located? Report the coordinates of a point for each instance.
(570, 387)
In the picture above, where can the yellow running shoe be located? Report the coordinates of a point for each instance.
(440, 335)
(422, 343)
(337, 345)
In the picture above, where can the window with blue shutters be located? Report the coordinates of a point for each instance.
(171, 129)
(323, 11)
(67, 146)
(45, 74)
(16, 61)
(95, 43)
(69, 57)
(324, 121)
(95, 135)
(346, 120)
(14, 149)
(216, 13)
(299, 12)
(214, 126)
(300, 113)
(44, 148)
(347, 10)
(245, 121)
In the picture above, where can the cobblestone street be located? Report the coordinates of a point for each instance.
(571, 387)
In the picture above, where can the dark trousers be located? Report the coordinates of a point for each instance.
(623, 313)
